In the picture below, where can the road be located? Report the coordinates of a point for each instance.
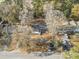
(15, 55)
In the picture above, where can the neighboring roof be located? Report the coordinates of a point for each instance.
(67, 29)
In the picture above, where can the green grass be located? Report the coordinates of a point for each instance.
(73, 53)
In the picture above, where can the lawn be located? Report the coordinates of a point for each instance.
(74, 52)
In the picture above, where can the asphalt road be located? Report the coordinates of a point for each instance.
(15, 55)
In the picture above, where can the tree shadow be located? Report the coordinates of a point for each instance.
(42, 54)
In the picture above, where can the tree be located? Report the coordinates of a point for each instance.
(17, 11)
(66, 6)
(54, 18)
(9, 11)
(38, 8)
(75, 12)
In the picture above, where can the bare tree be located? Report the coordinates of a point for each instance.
(54, 18)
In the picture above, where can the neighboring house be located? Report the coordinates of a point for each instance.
(39, 28)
